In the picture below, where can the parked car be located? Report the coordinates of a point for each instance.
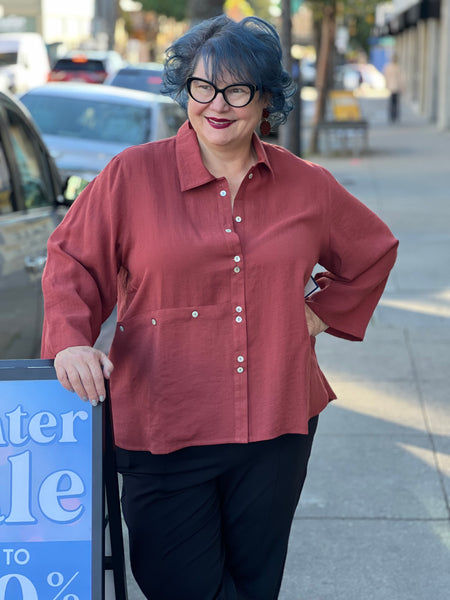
(146, 77)
(84, 126)
(354, 76)
(88, 66)
(33, 200)
(24, 61)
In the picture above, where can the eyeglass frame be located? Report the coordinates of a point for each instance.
(253, 90)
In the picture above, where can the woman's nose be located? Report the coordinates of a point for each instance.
(219, 102)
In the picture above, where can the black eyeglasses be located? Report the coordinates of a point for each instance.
(236, 94)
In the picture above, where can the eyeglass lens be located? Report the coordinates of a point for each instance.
(235, 95)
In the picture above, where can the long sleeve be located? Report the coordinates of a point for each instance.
(358, 255)
(80, 277)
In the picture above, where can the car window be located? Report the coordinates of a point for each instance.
(90, 119)
(35, 179)
(8, 58)
(146, 81)
(68, 64)
(6, 205)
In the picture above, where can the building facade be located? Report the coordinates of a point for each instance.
(58, 21)
(422, 34)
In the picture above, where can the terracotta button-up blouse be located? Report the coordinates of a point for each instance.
(211, 344)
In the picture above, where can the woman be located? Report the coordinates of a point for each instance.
(206, 242)
(395, 84)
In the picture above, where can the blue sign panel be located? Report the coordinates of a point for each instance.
(49, 547)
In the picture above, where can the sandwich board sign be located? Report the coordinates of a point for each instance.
(52, 511)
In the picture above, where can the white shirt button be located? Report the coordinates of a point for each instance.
(240, 359)
(153, 321)
(238, 319)
(238, 219)
(240, 369)
(228, 231)
(194, 314)
(237, 269)
(238, 308)
(223, 193)
(237, 259)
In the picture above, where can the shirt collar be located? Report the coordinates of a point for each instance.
(191, 170)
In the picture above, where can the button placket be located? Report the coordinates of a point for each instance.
(232, 233)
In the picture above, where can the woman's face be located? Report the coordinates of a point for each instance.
(219, 125)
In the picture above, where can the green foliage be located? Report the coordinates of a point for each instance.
(174, 8)
(261, 8)
(361, 33)
(357, 15)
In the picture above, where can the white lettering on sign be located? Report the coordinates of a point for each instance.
(54, 488)
(62, 484)
(57, 493)
(20, 556)
(42, 428)
(26, 587)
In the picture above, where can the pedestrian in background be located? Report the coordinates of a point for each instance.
(206, 242)
(395, 83)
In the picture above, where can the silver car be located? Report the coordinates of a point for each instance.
(33, 201)
(84, 126)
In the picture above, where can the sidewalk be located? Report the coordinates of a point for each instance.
(374, 520)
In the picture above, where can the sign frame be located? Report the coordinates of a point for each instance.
(104, 490)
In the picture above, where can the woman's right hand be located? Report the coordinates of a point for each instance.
(82, 369)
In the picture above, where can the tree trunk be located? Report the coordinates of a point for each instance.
(199, 10)
(323, 65)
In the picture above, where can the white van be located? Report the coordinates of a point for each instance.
(24, 61)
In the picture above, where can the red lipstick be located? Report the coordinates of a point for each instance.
(219, 123)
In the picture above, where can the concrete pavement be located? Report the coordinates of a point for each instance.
(374, 520)
(374, 523)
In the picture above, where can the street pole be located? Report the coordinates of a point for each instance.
(285, 131)
(296, 115)
(105, 18)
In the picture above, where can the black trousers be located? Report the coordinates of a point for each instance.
(394, 107)
(213, 522)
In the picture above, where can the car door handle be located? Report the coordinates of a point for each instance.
(35, 264)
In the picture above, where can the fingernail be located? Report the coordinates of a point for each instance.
(102, 398)
(85, 399)
(94, 402)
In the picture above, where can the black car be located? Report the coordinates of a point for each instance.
(33, 200)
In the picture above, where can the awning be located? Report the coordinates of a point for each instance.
(425, 9)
